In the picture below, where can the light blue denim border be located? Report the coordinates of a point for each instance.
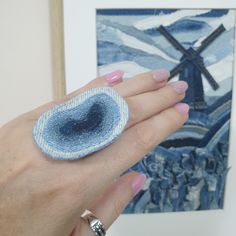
(55, 151)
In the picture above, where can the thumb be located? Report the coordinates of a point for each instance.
(111, 204)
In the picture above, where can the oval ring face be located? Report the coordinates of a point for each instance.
(83, 125)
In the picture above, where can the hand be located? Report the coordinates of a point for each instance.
(40, 196)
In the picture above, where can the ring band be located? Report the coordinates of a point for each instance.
(95, 224)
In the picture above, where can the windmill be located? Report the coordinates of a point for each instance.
(191, 68)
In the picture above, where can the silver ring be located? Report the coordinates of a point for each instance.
(95, 224)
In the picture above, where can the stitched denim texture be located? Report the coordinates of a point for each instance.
(190, 177)
(82, 125)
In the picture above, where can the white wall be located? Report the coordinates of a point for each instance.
(25, 82)
(25, 56)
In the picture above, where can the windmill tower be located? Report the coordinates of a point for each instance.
(191, 68)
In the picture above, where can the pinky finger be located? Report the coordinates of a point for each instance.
(111, 204)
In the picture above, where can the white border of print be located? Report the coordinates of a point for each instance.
(81, 67)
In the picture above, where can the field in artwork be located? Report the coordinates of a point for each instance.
(188, 170)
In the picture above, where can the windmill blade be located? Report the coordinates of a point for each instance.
(172, 40)
(190, 57)
(206, 42)
(208, 76)
(200, 67)
(176, 70)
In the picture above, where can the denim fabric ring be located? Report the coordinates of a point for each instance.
(84, 124)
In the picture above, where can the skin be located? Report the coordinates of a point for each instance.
(44, 197)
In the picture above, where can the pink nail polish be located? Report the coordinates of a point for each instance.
(114, 76)
(160, 75)
(138, 183)
(179, 86)
(182, 108)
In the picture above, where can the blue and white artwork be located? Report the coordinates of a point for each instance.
(188, 170)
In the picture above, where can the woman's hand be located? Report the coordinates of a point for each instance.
(40, 196)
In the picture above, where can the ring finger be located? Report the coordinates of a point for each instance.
(145, 105)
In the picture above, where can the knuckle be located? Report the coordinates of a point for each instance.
(92, 82)
(96, 82)
(136, 111)
(172, 117)
(144, 137)
(166, 96)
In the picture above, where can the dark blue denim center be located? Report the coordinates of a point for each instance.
(76, 129)
(91, 122)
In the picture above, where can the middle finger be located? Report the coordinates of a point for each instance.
(145, 105)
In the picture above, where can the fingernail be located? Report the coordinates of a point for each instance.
(179, 86)
(182, 108)
(160, 75)
(138, 183)
(114, 76)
